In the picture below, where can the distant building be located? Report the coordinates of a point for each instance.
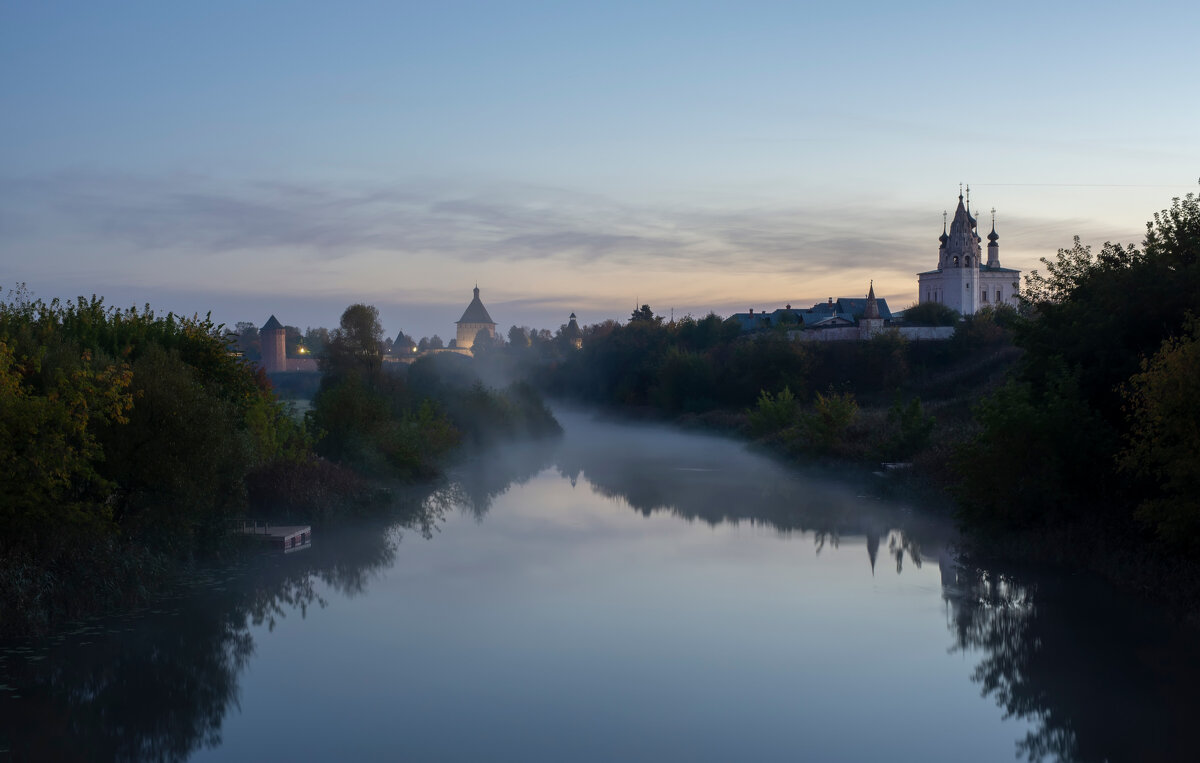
(272, 340)
(840, 313)
(572, 333)
(871, 321)
(962, 281)
(474, 319)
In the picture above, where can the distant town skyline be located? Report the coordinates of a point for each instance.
(292, 159)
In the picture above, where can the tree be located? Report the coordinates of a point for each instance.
(930, 314)
(245, 337)
(832, 414)
(644, 313)
(293, 341)
(910, 428)
(773, 414)
(517, 337)
(316, 341)
(354, 345)
(49, 447)
(1089, 322)
(1163, 443)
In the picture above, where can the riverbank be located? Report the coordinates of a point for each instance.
(1120, 551)
(1123, 554)
(130, 440)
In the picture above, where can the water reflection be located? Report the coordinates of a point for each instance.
(156, 685)
(1095, 677)
(1104, 678)
(714, 481)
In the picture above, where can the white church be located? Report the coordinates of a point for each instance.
(962, 280)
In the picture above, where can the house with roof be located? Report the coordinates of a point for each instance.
(842, 313)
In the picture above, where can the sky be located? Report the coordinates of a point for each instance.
(292, 158)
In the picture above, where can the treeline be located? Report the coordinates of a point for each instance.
(126, 438)
(847, 400)
(403, 423)
(129, 439)
(313, 341)
(1100, 423)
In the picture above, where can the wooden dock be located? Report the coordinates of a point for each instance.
(287, 537)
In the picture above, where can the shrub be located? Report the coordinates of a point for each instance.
(832, 414)
(773, 413)
(930, 314)
(909, 430)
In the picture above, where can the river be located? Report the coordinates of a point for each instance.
(626, 593)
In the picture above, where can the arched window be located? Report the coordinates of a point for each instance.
(967, 262)
(956, 260)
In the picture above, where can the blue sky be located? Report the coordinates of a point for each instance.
(292, 158)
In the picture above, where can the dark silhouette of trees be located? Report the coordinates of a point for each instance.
(644, 313)
(1163, 439)
(127, 438)
(930, 314)
(355, 346)
(1058, 427)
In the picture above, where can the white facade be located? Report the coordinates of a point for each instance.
(962, 282)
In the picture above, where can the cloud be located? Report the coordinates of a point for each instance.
(139, 222)
(202, 216)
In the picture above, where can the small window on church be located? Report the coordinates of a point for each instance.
(983, 295)
(967, 262)
(956, 262)
(968, 287)
(997, 295)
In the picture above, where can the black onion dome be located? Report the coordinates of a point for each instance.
(992, 236)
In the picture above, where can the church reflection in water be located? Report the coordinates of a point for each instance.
(1100, 679)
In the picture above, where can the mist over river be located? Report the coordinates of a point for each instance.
(624, 593)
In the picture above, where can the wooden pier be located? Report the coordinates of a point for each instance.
(287, 537)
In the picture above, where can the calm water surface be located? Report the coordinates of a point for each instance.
(626, 593)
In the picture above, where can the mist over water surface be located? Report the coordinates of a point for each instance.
(625, 593)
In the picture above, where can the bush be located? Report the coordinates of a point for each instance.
(832, 414)
(909, 430)
(930, 314)
(313, 490)
(773, 413)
